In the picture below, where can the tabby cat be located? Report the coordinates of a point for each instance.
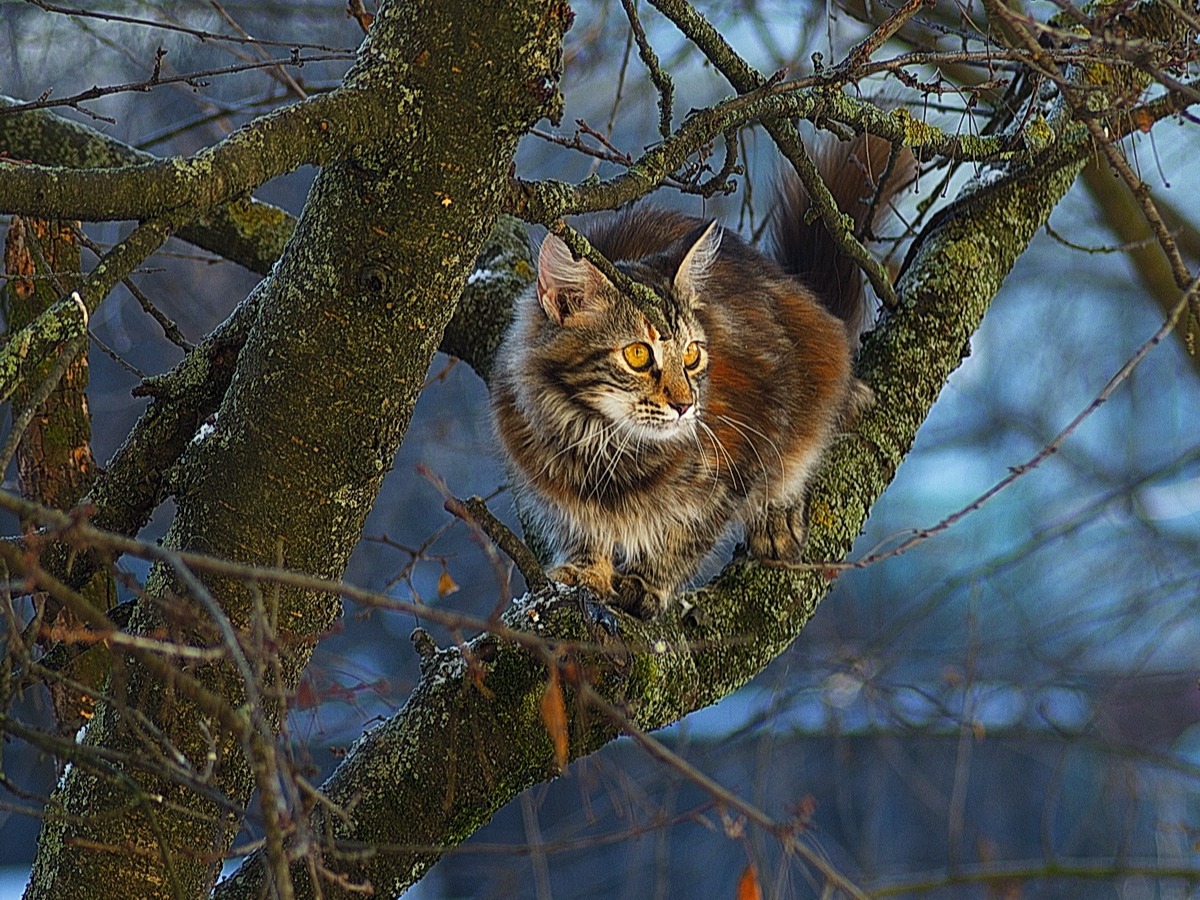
(633, 450)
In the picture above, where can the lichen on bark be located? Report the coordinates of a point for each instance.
(289, 471)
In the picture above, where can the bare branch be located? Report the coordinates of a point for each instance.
(662, 81)
(307, 133)
(198, 33)
(66, 321)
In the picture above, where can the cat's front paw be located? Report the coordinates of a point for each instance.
(634, 595)
(596, 577)
(778, 534)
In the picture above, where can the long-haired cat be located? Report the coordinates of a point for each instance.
(633, 450)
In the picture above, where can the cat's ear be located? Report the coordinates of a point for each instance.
(702, 247)
(566, 286)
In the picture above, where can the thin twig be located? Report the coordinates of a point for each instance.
(861, 52)
(475, 511)
(783, 831)
(866, 232)
(79, 533)
(662, 80)
(280, 74)
(918, 536)
(170, 330)
(193, 79)
(197, 33)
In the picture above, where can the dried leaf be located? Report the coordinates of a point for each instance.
(446, 585)
(554, 715)
(748, 888)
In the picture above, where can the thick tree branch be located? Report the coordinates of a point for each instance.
(323, 128)
(244, 230)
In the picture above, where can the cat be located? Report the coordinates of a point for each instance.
(632, 450)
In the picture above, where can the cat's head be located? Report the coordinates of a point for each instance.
(603, 353)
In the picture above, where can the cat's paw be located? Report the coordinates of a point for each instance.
(778, 534)
(634, 595)
(595, 577)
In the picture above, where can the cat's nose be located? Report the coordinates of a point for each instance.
(680, 408)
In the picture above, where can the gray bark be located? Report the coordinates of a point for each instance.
(288, 476)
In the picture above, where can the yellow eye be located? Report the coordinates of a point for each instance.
(691, 356)
(638, 356)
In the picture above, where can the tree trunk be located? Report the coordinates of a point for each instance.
(322, 393)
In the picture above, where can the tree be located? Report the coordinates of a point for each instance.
(274, 433)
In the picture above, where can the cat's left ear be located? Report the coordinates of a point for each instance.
(698, 261)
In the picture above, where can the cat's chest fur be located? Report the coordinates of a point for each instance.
(587, 481)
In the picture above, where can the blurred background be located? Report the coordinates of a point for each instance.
(1010, 709)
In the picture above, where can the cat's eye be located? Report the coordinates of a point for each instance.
(691, 356)
(638, 356)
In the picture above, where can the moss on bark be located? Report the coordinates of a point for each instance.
(321, 395)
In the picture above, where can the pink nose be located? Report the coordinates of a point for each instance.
(680, 408)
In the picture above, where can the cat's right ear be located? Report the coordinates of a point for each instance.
(566, 286)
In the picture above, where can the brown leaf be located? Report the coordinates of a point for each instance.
(554, 715)
(748, 888)
(446, 585)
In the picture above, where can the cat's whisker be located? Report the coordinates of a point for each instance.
(601, 451)
(593, 430)
(717, 451)
(588, 436)
(611, 469)
(742, 427)
(737, 477)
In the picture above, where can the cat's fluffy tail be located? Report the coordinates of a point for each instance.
(852, 170)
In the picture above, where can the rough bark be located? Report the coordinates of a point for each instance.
(54, 459)
(322, 392)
